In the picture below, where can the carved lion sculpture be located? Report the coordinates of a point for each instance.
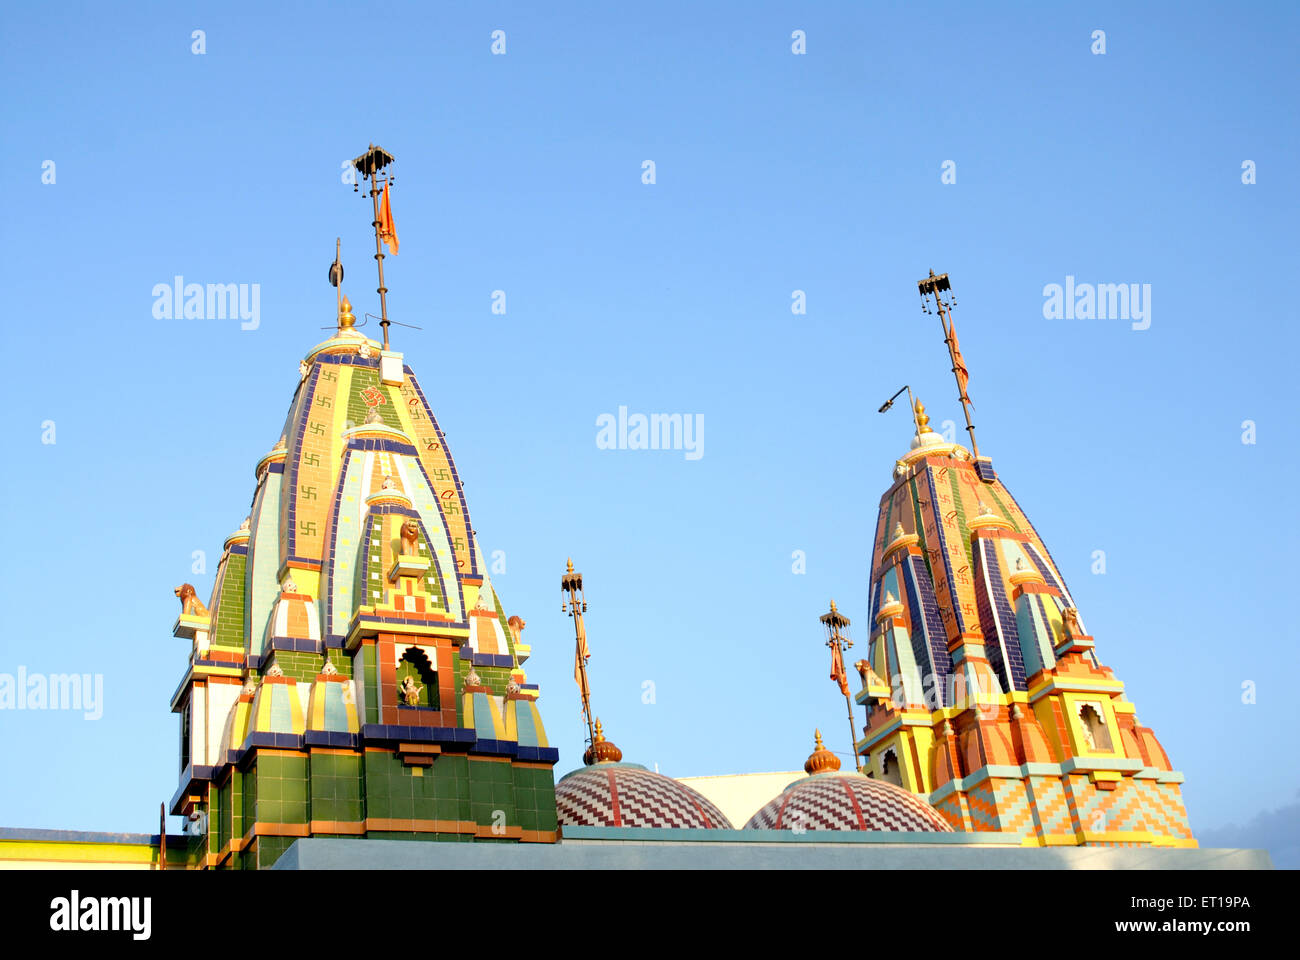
(410, 537)
(191, 606)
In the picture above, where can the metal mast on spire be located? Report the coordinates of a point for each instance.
(575, 605)
(934, 286)
(370, 165)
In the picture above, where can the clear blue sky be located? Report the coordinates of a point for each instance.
(775, 173)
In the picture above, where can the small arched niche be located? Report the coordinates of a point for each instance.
(1092, 724)
(890, 771)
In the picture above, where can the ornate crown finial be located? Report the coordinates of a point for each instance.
(601, 750)
(821, 760)
(570, 570)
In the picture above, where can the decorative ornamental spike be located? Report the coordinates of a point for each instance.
(838, 640)
(336, 271)
(601, 750)
(821, 760)
(934, 287)
(575, 605)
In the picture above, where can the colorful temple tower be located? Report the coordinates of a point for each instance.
(354, 673)
(982, 687)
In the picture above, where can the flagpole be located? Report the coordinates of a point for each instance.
(838, 643)
(933, 286)
(370, 164)
(379, 258)
(576, 606)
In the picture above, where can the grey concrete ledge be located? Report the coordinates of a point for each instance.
(641, 854)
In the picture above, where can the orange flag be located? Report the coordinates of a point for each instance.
(959, 364)
(387, 232)
(579, 660)
(837, 669)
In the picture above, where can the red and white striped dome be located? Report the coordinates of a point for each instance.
(611, 794)
(848, 801)
(828, 800)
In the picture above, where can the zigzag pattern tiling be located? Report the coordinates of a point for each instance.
(848, 802)
(1126, 811)
(950, 809)
(1014, 812)
(1166, 805)
(983, 807)
(1053, 810)
(624, 795)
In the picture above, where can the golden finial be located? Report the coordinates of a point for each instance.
(922, 418)
(570, 570)
(832, 611)
(346, 319)
(601, 750)
(821, 760)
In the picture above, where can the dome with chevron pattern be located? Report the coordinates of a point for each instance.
(610, 794)
(829, 800)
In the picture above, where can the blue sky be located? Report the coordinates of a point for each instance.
(775, 172)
